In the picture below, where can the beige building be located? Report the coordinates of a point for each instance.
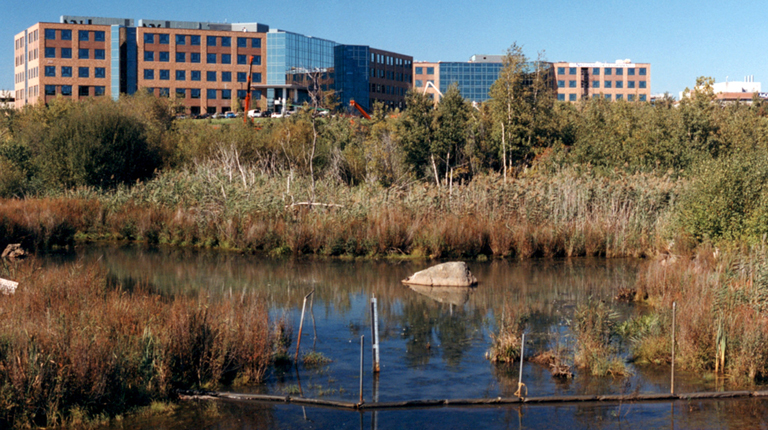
(426, 79)
(621, 80)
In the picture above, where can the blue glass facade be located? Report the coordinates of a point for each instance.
(474, 79)
(351, 68)
(124, 65)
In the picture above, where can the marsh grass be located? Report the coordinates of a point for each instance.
(595, 330)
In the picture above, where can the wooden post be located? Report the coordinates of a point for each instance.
(375, 335)
(672, 384)
(519, 392)
(362, 339)
(301, 323)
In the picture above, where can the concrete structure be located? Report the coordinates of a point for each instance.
(613, 81)
(736, 91)
(7, 100)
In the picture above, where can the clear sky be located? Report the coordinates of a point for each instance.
(682, 39)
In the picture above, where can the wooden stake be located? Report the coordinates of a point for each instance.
(301, 324)
(375, 335)
(362, 343)
(672, 384)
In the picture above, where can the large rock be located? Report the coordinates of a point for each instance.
(453, 274)
(14, 250)
(8, 287)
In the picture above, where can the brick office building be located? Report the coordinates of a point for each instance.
(613, 81)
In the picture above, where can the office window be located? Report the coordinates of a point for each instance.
(619, 71)
(242, 77)
(642, 84)
(149, 38)
(561, 97)
(165, 56)
(100, 72)
(210, 76)
(149, 56)
(181, 93)
(50, 71)
(181, 57)
(571, 84)
(66, 72)
(164, 38)
(82, 54)
(210, 58)
(210, 40)
(66, 52)
(596, 71)
(211, 94)
(50, 34)
(82, 72)
(226, 76)
(194, 93)
(242, 42)
(165, 92)
(181, 75)
(571, 97)
(619, 97)
(194, 40)
(83, 90)
(571, 70)
(595, 84)
(560, 84)
(99, 54)
(631, 72)
(181, 39)
(607, 96)
(226, 94)
(630, 84)
(194, 57)
(66, 90)
(50, 52)
(257, 60)
(99, 90)
(82, 35)
(607, 71)
(642, 97)
(194, 75)
(50, 90)
(419, 71)
(99, 36)
(226, 41)
(66, 35)
(607, 84)
(256, 78)
(430, 70)
(226, 58)
(619, 84)
(631, 97)
(242, 59)
(149, 74)
(561, 71)
(255, 43)
(165, 74)
(642, 71)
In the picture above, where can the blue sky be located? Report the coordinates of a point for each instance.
(681, 39)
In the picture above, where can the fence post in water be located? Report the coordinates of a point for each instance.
(672, 384)
(301, 324)
(375, 335)
(519, 392)
(362, 343)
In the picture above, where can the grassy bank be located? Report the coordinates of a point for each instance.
(74, 347)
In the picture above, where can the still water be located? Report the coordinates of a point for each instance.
(433, 343)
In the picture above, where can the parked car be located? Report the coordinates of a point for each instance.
(231, 115)
(219, 115)
(202, 115)
(254, 113)
(276, 115)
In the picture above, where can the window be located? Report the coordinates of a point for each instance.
(181, 93)
(561, 70)
(194, 93)
(560, 84)
(82, 54)
(596, 71)
(211, 94)
(619, 84)
(630, 84)
(194, 75)
(149, 38)
(165, 74)
(642, 97)
(50, 90)
(50, 71)
(226, 58)
(255, 43)
(571, 97)
(226, 41)
(66, 72)
(256, 77)
(561, 97)
(66, 52)
(631, 97)
(226, 76)
(242, 59)
(149, 74)
(149, 56)
(181, 57)
(181, 75)
(619, 71)
(607, 71)
(430, 70)
(571, 84)
(242, 77)
(241, 94)
(82, 72)
(99, 54)
(226, 94)
(164, 38)
(210, 40)
(66, 90)
(83, 90)
(210, 58)
(165, 56)
(181, 39)
(642, 84)
(50, 34)
(99, 72)
(210, 76)
(242, 42)
(165, 92)
(595, 84)
(642, 71)
(607, 96)
(99, 36)
(607, 84)
(82, 35)
(571, 70)
(99, 90)
(194, 57)
(50, 52)
(631, 72)
(257, 60)
(619, 96)
(66, 35)
(194, 40)
(419, 71)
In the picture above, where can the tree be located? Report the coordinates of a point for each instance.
(450, 125)
(416, 131)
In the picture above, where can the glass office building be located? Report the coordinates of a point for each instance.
(474, 79)
(352, 70)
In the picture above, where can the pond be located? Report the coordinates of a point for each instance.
(433, 342)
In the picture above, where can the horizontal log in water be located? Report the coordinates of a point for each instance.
(417, 404)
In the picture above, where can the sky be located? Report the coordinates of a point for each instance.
(682, 39)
